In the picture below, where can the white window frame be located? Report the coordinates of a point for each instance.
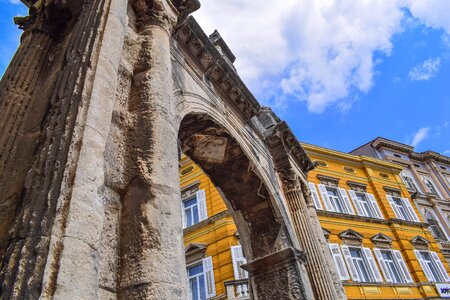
(374, 209)
(237, 256)
(405, 205)
(338, 259)
(433, 269)
(200, 197)
(397, 262)
(208, 277)
(315, 196)
(367, 260)
(332, 201)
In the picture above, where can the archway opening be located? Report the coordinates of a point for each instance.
(213, 148)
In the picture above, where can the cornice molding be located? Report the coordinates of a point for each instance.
(215, 68)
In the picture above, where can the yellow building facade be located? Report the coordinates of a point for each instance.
(380, 245)
(210, 235)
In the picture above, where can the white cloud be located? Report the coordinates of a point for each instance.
(426, 70)
(321, 52)
(420, 135)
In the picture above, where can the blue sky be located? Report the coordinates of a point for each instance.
(339, 72)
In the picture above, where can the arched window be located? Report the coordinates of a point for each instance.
(435, 227)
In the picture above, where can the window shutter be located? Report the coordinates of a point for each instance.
(208, 270)
(440, 266)
(411, 210)
(424, 266)
(348, 259)
(325, 198)
(355, 200)
(394, 207)
(201, 202)
(384, 267)
(347, 203)
(375, 206)
(401, 263)
(238, 260)
(373, 265)
(183, 215)
(315, 196)
(339, 261)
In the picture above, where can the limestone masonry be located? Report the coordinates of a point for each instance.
(92, 108)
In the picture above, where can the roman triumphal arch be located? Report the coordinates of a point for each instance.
(94, 107)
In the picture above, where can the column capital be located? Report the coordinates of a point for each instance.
(290, 180)
(166, 14)
(50, 18)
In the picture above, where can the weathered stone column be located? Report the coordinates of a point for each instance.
(47, 130)
(19, 116)
(152, 259)
(315, 261)
(340, 292)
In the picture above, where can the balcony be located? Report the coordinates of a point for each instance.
(237, 289)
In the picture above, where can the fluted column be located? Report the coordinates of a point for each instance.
(48, 121)
(19, 119)
(316, 266)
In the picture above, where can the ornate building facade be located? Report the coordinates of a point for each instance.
(380, 244)
(427, 178)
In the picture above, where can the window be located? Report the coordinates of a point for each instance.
(201, 280)
(194, 209)
(393, 266)
(402, 208)
(435, 227)
(432, 266)
(430, 185)
(315, 196)
(336, 202)
(336, 199)
(408, 180)
(339, 261)
(361, 264)
(238, 260)
(197, 283)
(366, 204)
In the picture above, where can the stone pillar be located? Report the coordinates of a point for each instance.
(316, 265)
(20, 119)
(278, 276)
(340, 291)
(152, 259)
(47, 130)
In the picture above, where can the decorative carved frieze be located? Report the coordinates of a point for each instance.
(277, 276)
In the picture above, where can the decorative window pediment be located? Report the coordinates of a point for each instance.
(328, 180)
(357, 186)
(351, 237)
(381, 240)
(419, 242)
(195, 252)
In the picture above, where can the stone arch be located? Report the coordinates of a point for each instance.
(258, 218)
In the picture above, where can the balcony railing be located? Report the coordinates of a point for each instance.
(237, 289)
